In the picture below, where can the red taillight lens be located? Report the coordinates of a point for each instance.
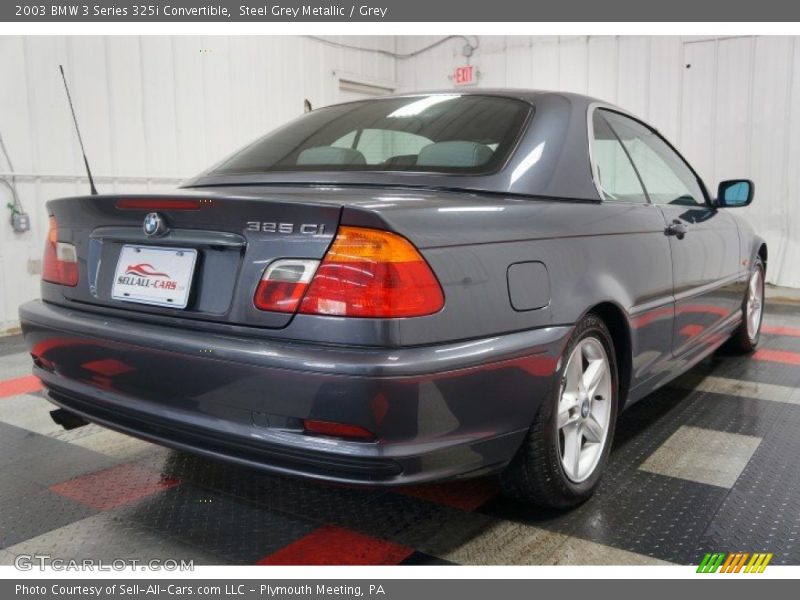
(283, 284)
(372, 273)
(60, 262)
(340, 430)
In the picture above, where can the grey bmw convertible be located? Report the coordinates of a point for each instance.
(402, 290)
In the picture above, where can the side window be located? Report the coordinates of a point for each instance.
(666, 177)
(615, 175)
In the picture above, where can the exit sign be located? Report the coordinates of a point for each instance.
(465, 75)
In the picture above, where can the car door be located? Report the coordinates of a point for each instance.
(648, 277)
(703, 241)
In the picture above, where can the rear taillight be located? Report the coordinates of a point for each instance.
(60, 262)
(284, 283)
(372, 273)
(365, 273)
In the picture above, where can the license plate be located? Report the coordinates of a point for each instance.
(158, 276)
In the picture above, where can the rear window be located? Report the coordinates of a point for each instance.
(446, 133)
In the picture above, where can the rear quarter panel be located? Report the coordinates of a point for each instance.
(594, 253)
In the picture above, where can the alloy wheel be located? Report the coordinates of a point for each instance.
(584, 409)
(755, 304)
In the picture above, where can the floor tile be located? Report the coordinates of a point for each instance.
(29, 411)
(14, 364)
(12, 345)
(703, 455)
(19, 385)
(35, 512)
(111, 488)
(44, 460)
(646, 513)
(238, 532)
(335, 546)
(762, 512)
(117, 445)
(575, 551)
(740, 388)
(775, 355)
(467, 494)
(111, 538)
(508, 543)
(309, 500)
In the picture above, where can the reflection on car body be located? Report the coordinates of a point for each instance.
(405, 289)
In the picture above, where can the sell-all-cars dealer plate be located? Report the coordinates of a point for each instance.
(159, 276)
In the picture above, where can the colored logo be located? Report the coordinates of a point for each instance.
(154, 225)
(144, 270)
(734, 562)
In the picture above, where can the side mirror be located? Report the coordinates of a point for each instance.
(735, 192)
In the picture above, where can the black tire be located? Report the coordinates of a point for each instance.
(741, 342)
(536, 475)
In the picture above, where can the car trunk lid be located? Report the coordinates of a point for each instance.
(216, 245)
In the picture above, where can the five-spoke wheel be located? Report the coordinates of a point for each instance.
(584, 409)
(754, 303)
(746, 337)
(565, 452)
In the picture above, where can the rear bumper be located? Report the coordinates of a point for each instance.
(438, 412)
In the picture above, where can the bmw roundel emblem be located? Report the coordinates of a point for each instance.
(154, 225)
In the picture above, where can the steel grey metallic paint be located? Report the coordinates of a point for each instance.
(449, 394)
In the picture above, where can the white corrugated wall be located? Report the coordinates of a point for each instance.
(731, 105)
(153, 111)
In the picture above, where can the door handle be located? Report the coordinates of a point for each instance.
(676, 228)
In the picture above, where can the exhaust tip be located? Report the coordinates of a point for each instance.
(66, 419)
(43, 363)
